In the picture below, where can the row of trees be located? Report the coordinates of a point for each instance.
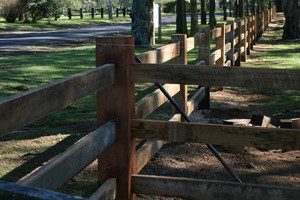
(142, 22)
(33, 10)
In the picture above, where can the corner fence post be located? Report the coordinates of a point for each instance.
(117, 103)
(204, 52)
(181, 97)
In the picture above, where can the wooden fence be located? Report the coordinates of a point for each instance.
(93, 12)
(120, 119)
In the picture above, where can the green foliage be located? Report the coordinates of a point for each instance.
(39, 9)
(10, 10)
(169, 7)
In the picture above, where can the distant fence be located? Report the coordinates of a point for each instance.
(120, 118)
(93, 12)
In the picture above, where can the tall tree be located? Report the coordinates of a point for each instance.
(224, 2)
(181, 26)
(142, 22)
(241, 8)
(212, 18)
(291, 10)
(203, 11)
(194, 17)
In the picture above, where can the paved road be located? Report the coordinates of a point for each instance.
(18, 41)
(10, 42)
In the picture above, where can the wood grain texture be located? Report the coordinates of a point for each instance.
(188, 188)
(215, 33)
(117, 103)
(11, 191)
(250, 77)
(195, 100)
(66, 165)
(269, 138)
(22, 109)
(107, 191)
(220, 44)
(215, 56)
(228, 28)
(151, 147)
(190, 42)
(151, 102)
(161, 54)
(227, 47)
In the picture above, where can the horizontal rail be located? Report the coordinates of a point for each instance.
(227, 28)
(214, 76)
(190, 43)
(9, 191)
(161, 54)
(227, 47)
(195, 100)
(24, 108)
(151, 147)
(270, 138)
(217, 32)
(151, 102)
(66, 165)
(107, 191)
(188, 188)
(216, 55)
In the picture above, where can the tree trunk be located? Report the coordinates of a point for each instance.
(194, 17)
(212, 18)
(181, 26)
(110, 15)
(241, 8)
(291, 10)
(203, 12)
(247, 8)
(224, 9)
(142, 22)
(230, 8)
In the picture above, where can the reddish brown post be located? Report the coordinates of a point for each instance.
(204, 52)
(181, 97)
(230, 38)
(220, 44)
(239, 44)
(244, 39)
(117, 103)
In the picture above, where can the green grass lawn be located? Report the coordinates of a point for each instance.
(28, 148)
(62, 23)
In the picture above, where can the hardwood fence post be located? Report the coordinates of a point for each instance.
(93, 13)
(248, 34)
(81, 13)
(124, 12)
(244, 40)
(117, 103)
(69, 13)
(220, 44)
(230, 38)
(239, 44)
(181, 97)
(204, 52)
(102, 12)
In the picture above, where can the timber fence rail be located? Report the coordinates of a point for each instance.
(120, 118)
